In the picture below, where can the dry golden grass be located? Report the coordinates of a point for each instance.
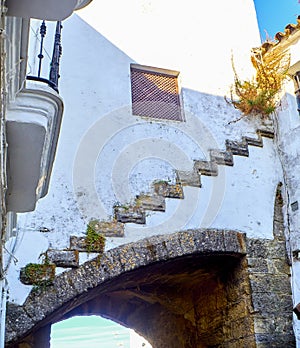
(260, 95)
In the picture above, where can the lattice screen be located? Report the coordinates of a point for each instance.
(155, 93)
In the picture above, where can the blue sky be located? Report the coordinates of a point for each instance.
(274, 15)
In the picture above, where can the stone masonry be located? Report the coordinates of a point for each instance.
(269, 274)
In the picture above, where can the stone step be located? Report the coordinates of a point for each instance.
(37, 274)
(238, 148)
(253, 142)
(108, 228)
(221, 157)
(83, 244)
(206, 168)
(167, 190)
(63, 258)
(188, 178)
(151, 202)
(267, 133)
(126, 214)
(162, 189)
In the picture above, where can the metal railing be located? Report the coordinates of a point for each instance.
(53, 78)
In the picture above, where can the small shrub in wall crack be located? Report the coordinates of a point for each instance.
(38, 275)
(260, 96)
(95, 241)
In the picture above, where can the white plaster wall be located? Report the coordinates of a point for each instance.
(288, 128)
(106, 155)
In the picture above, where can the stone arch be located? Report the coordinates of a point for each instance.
(187, 289)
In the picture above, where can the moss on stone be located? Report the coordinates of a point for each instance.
(95, 241)
(38, 274)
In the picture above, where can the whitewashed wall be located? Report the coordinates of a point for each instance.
(288, 128)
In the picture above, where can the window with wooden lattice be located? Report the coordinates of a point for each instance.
(155, 93)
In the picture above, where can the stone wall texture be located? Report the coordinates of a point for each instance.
(269, 274)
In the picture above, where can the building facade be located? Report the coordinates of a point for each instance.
(198, 205)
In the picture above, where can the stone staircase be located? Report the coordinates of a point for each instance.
(155, 201)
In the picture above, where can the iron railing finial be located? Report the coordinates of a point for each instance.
(52, 80)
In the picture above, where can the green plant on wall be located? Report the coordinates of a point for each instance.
(260, 95)
(95, 241)
(38, 275)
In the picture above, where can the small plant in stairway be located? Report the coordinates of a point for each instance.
(38, 275)
(260, 96)
(95, 241)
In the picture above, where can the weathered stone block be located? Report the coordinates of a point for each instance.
(128, 258)
(107, 228)
(18, 321)
(83, 244)
(237, 148)
(130, 214)
(158, 248)
(204, 242)
(216, 238)
(187, 242)
(277, 266)
(257, 248)
(268, 303)
(145, 252)
(235, 241)
(173, 246)
(267, 133)
(272, 283)
(278, 250)
(176, 191)
(63, 258)
(170, 191)
(252, 141)
(273, 324)
(275, 340)
(189, 178)
(258, 265)
(151, 202)
(222, 157)
(37, 274)
(207, 168)
(109, 265)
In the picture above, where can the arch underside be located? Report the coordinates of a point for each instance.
(185, 302)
